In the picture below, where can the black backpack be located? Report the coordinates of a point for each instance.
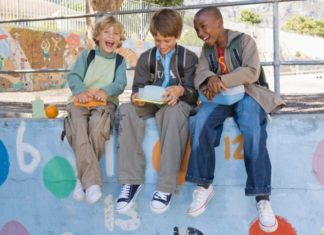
(235, 52)
(180, 62)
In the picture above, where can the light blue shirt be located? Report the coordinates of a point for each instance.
(166, 65)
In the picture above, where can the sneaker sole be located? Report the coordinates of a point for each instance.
(269, 229)
(131, 203)
(203, 208)
(160, 211)
(95, 199)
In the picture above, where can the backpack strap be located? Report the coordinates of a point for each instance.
(181, 61)
(210, 53)
(152, 63)
(236, 51)
(90, 57)
(262, 81)
(119, 61)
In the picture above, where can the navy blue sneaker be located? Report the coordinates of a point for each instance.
(127, 197)
(160, 202)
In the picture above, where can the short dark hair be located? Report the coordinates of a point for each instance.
(210, 10)
(166, 22)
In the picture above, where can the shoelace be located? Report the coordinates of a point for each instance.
(160, 195)
(264, 207)
(125, 191)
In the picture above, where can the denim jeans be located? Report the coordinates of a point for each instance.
(205, 131)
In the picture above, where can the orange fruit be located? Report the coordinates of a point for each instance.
(51, 111)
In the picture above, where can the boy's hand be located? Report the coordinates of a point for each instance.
(84, 97)
(209, 94)
(136, 102)
(100, 95)
(172, 94)
(215, 85)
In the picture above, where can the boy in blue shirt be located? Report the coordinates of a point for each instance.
(171, 117)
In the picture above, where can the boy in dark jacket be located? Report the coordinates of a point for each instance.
(171, 117)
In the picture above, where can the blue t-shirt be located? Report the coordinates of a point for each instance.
(166, 65)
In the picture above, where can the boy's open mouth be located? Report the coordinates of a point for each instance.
(205, 38)
(110, 44)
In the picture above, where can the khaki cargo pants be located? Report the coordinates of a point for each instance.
(172, 123)
(87, 129)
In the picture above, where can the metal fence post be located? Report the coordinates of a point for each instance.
(276, 59)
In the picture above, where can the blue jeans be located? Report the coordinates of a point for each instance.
(205, 131)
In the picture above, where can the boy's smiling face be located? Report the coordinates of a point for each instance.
(165, 44)
(208, 28)
(109, 39)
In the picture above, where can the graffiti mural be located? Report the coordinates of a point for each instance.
(23, 49)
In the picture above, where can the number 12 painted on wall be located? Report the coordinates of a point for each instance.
(238, 154)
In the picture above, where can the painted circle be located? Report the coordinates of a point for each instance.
(318, 162)
(284, 227)
(156, 157)
(59, 177)
(4, 163)
(13, 228)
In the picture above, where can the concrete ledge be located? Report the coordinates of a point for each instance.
(37, 176)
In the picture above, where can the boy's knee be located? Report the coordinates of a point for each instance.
(125, 108)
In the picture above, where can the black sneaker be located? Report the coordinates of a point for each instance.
(160, 202)
(127, 197)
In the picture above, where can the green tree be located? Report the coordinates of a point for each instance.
(305, 25)
(251, 17)
(76, 6)
(166, 3)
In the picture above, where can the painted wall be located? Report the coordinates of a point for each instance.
(37, 176)
(23, 49)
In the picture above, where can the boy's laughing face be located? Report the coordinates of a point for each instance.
(109, 39)
(208, 28)
(165, 44)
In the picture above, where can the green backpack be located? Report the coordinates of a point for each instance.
(236, 53)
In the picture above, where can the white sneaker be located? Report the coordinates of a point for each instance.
(93, 193)
(200, 199)
(78, 192)
(267, 219)
(160, 202)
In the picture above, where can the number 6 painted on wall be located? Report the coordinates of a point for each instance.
(22, 147)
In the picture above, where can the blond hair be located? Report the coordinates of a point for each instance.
(108, 21)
